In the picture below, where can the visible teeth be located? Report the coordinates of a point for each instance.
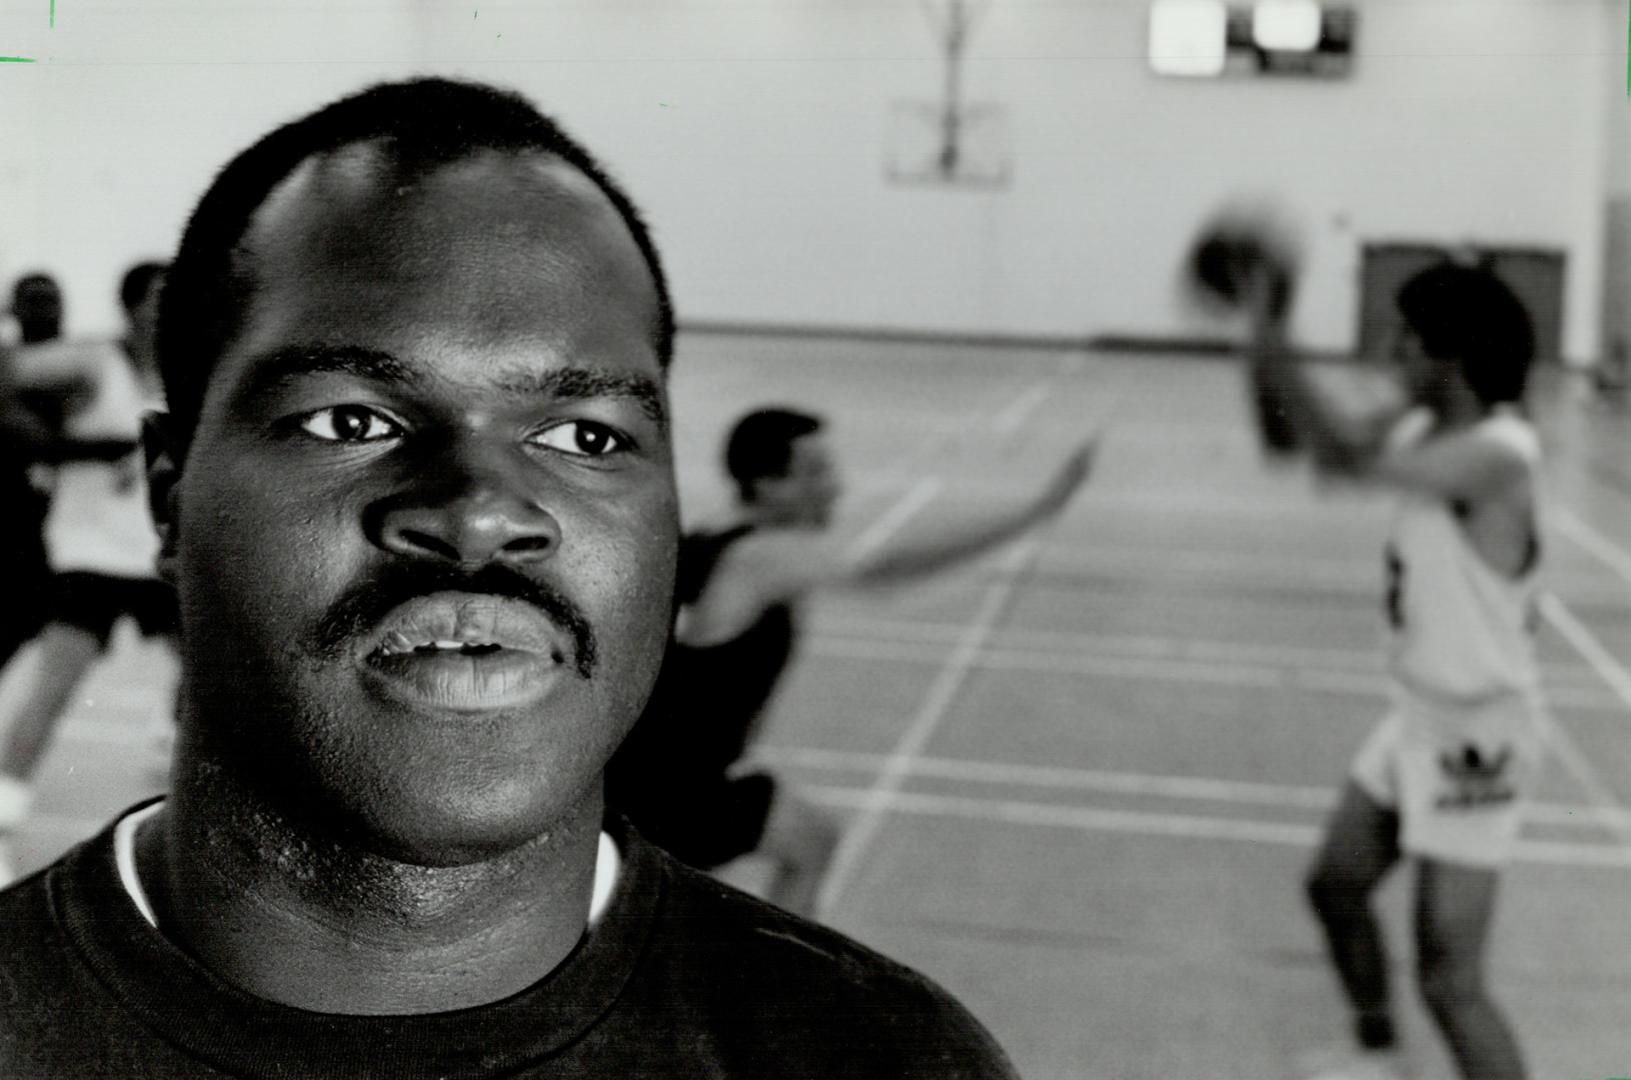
(397, 642)
(467, 647)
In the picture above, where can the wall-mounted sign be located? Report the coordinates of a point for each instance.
(1209, 38)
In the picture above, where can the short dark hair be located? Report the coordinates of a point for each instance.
(426, 123)
(1468, 315)
(761, 445)
(36, 302)
(136, 283)
(36, 282)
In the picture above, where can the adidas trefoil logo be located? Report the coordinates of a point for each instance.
(1475, 778)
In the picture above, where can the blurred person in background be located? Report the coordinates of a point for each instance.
(679, 775)
(36, 304)
(1442, 779)
(99, 539)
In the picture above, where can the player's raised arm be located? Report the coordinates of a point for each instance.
(1466, 466)
(1245, 263)
(22, 429)
(23, 432)
(790, 553)
(27, 409)
(787, 563)
(1339, 438)
(928, 551)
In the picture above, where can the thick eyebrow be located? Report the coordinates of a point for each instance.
(283, 365)
(581, 383)
(277, 368)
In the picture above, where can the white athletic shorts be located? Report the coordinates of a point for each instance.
(1458, 788)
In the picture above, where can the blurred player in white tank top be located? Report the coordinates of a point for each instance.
(98, 521)
(1460, 634)
(99, 536)
(1442, 777)
(1460, 643)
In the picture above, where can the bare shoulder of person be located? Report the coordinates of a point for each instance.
(1471, 466)
(1501, 520)
(772, 567)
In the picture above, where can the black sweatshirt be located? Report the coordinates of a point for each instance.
(681, 977)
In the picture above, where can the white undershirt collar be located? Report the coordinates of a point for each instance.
(608, 863)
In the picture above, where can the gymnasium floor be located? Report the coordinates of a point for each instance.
(1081, 777)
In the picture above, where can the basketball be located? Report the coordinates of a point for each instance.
(1233, 249)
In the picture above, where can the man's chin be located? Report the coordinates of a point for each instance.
(435, 849)
(445, 834)
(401, 819)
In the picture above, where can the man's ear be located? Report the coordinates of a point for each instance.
(165, 455)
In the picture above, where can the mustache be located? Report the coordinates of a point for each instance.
(362, 606)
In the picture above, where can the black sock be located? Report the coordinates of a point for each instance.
(1375, 1031)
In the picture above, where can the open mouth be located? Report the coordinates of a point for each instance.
(397, 644)
(469, 624)
(465, 652)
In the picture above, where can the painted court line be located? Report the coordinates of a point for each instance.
(877, 534)
(859, 836)
(1336, 575)
(1610, 670)
(927, 489)
(1619, 680)
(1012, 569)
(1182, 826)
(1136, 646)
(1017, 411)
(1571, 677)
(1239, 675)
(1345, 683)
(1606, 551)
(1193, 788)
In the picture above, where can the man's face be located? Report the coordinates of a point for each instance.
(806, 494)
(425, 532)
(1423, 377)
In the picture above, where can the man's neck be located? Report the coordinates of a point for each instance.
(308, 924)
(1460, 409)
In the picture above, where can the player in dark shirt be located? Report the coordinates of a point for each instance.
(677, 775)
(415, 492)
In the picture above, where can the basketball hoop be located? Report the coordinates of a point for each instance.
(950, 143)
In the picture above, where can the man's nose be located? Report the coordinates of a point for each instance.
(478, 511)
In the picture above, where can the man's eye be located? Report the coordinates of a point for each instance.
(349, 423)
(581, 437)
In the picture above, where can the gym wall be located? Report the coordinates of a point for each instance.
(1616, 302)
(755, 131)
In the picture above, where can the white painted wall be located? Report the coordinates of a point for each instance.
(1616, 77)
(111, 138)
(753, 131)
